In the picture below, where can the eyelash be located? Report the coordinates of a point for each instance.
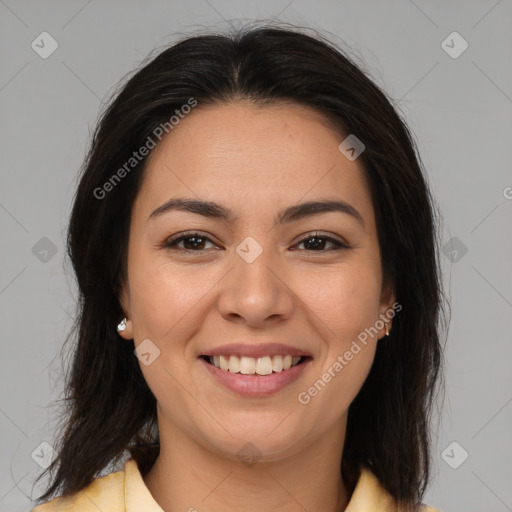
(172, 242)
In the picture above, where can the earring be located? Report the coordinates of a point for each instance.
(122, 325)
(387, 329)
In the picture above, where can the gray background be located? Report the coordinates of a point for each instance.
(458, 108)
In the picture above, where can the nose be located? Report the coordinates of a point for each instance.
(255, 292)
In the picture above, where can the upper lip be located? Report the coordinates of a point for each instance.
(255, 350)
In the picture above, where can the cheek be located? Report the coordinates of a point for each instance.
(350, 307)
(346, 299)
(161, 293)
(336, 384)
(347, 376)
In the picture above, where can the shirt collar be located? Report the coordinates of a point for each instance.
(136, 495)
(368, 495)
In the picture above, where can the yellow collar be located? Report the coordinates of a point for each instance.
(368, 495)
(125, 491)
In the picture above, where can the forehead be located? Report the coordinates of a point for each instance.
(251, 157)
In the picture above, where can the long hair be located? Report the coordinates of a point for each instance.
(110, 409)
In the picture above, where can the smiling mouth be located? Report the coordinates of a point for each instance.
(260, 366)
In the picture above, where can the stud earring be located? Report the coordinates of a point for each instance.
(122, 325)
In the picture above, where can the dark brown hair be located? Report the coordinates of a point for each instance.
(109, 408)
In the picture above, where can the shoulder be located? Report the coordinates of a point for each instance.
(103, 493)
(426, 508)
(369, 495)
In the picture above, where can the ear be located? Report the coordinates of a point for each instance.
(387, 300)
(124, 300)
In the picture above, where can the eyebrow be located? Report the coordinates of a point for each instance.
(293, 213)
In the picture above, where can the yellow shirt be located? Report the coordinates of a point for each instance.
(125, 491)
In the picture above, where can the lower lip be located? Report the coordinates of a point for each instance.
(256, 386)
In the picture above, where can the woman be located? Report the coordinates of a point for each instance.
(255, 247)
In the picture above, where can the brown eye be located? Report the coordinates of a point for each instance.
(192, 242)
(316, 243)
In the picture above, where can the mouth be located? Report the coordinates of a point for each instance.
(262, 377)
(255, 367)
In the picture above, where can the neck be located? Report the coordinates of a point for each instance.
(187, 475)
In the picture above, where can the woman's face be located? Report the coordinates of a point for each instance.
(253, 278)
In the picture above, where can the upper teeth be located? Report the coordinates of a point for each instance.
(249, 365)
